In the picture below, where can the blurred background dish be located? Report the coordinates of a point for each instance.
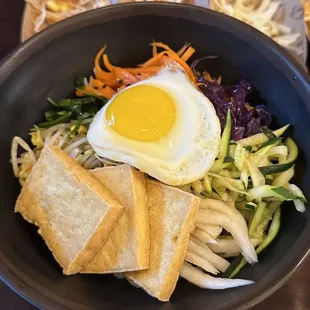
(282, 20)
(306, 6)
(39, 14)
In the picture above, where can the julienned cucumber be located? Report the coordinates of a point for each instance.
(272, 141)
(268, 132)
(278, 168)
(240, 262)
(261, 137)
(225, 137)
(279, 192)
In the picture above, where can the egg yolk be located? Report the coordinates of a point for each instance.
(144, 113)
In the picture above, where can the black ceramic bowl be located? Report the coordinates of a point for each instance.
(47, 65)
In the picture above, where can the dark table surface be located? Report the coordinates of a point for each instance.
(294, 295)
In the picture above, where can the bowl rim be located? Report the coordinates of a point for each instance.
(35, 293)
(28, 11)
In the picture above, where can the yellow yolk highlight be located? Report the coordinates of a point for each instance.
(144, 113)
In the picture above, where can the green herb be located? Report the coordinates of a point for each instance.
(52, 115)
(74, 102)
(52, 102)
(228, 159)
(62, 119)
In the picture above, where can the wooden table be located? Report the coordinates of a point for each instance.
(294, 295)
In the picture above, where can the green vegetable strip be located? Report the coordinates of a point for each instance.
(256, 176)
(197, 187)
(272, 191)
(297, 192)
(52, 102)
(272, 141)
(232, 184)
(62, 119)
(206, 183)
(245, 178)
(74, 102)
(234, 174)
(278, 168)
(245, 205)
(74, 131)
(52, 115)
(240, 262)
(272, 232)
(267, 216)
(219, 166)
(240, 154)
(228, 159)
(257, 218)
(79, 82)
(269, 133)
(285, 193)
(261, 138)
(232, 149)
(224, 145)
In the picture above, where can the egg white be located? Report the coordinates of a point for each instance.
(185, 154)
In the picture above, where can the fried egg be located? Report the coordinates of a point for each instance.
(163, 126)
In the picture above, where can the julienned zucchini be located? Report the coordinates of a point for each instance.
(279, 192)
(268, 132)
(239, 262)
(278, 168)
(261, 137)
(224, 145)
(272, 141)
(245, 205)
(257, 218)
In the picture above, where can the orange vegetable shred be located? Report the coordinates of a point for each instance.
(114, 78)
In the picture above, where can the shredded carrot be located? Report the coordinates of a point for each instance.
(116, 78)
(104, 76)
(79, 93)
(124, 75)
(96, 83)
(106, 92)
(98, 70)
(173, 55)
(141, 70)
(184, 65)
(219, 80)
(153, 60)
(143, 76)
(92, 90)
(114, 83)
(107, 63)
(188, 54)
(164, 61)
(183, 49)
(154, 50)
(164, 46)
